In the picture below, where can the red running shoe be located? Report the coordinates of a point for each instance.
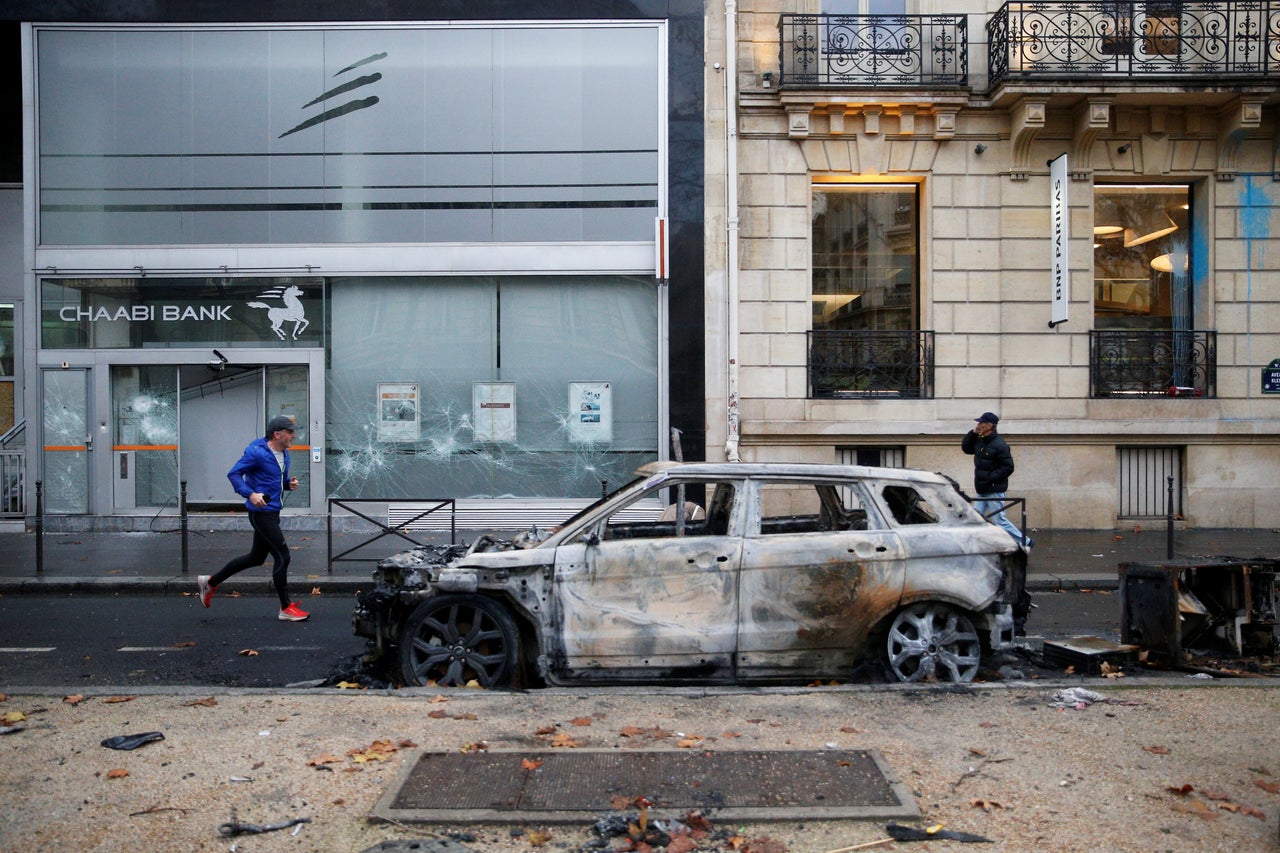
(206, 591)
(293, 613)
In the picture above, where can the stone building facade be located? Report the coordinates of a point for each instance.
(886, 192)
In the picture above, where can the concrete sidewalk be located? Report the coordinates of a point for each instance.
(153, 561)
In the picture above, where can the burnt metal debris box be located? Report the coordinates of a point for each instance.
(1223, 604)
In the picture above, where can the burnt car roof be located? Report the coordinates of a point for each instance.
(785, 469)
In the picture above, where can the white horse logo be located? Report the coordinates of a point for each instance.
(292, 310)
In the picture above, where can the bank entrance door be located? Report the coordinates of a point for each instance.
(190, 422)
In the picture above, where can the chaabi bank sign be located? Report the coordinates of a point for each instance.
(145, 312)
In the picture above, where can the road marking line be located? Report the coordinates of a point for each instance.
(290, 648)
(153, 648)
(25, 649)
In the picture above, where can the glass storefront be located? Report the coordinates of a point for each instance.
(514, 386)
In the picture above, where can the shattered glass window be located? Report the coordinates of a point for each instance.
(66, 459)
(908, 506)
(144, 404)
(511, 376)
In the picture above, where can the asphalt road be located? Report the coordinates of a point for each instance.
(79, 641)
(135, 640)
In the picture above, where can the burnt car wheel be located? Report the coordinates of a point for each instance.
(451, 640)
(932, 641)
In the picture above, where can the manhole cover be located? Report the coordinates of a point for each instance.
(566, 786)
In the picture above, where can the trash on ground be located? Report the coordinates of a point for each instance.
(234, 827)
(132, 741)
(8, 730)
(909, 833)
(1075, 697)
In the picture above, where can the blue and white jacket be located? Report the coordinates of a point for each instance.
(258, 471)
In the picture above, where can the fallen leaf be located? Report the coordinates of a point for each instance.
(315, 590)
(1180, 790)
(563, 740)
(682, 844)
(437, 714)
(545, 730)
(764, 844)
(407, 744)
(114, 700)
(4, 697)
(117, 773)
(1157, 750)
(1217, 796)
(74, 699)
(475, 684)
(434, 700)
(985, 805)
(467, 716)
(13, 717)
(478, 746)
(324, 759)
(978, 752)
(731, 734)
(580, 721)
(1195, 807)
(1252, 812)
(247, 653)
(1269, 787)
(183, 644)
(206, 702)
(538, 837)
(531, 763)
(379, 750)
(690, 742)
(350, 685)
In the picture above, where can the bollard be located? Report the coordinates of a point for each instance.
(1169, 524)
(39, 527)
(182, 522)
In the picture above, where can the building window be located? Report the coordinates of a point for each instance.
(865, 340)
(874, 457)
(1144, 339)
(1142, 481)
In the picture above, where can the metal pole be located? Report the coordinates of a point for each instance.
(39, 527)
(328, 524)
(1169, 524)
(182, 521)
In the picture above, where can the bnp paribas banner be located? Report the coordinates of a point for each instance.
(79, 313)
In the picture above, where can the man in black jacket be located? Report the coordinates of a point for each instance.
(992, 465)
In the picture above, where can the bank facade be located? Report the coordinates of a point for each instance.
(1061, 212)
(463, 253)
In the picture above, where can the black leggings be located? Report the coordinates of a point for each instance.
(268, 540)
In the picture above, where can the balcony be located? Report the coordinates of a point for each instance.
(1159, 363)
(873, 51)
(1230, 40)
(871, 364)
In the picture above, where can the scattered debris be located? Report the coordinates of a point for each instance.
(898, 832)
(127, 742)
(234, 827)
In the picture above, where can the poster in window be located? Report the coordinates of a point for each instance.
(591, 412)
(398, 418)
(493, 412)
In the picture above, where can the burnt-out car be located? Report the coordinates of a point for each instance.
(714, 573)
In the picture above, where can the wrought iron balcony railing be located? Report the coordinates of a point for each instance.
(1128, 362)
(1167, 39)
(871, 364)
(873, 51)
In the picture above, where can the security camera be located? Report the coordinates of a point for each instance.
(219, 365)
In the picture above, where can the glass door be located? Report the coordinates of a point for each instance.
(67, 441)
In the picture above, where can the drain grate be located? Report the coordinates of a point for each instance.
(566, 786)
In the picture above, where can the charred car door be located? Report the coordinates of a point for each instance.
(639, 600)
(819, 567)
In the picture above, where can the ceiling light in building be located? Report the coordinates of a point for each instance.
(1148, 227)
(1164, 263)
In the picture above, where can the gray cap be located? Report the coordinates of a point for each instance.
(280, 422)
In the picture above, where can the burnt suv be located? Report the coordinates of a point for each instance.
(714, 573)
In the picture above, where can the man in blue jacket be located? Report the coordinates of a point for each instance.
(992, 465)
(261, 478)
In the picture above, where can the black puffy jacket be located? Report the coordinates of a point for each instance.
(992, 462)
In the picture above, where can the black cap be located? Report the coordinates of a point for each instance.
(988, 418)
(280, 422)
